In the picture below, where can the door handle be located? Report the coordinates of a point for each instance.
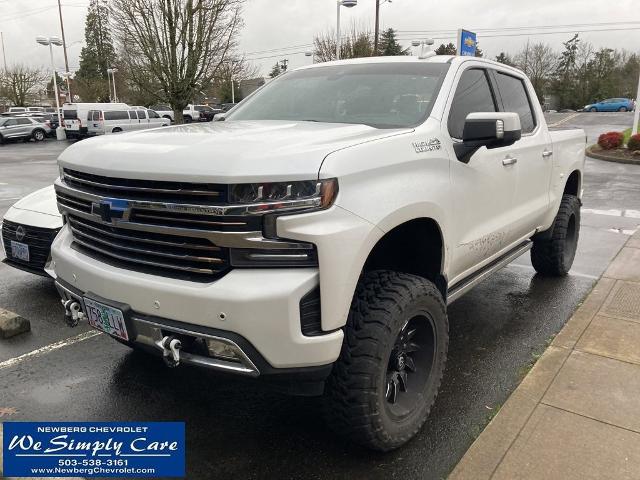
(509, 161)
(547, 154)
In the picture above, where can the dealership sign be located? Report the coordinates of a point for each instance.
(94, 449)
(467, 43)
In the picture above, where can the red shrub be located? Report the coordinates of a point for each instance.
(611, 140)
(634, 142)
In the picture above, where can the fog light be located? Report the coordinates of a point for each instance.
(223, 350)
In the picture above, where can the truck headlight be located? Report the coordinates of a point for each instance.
(285, 195)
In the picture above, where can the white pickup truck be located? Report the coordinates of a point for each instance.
(316, 236)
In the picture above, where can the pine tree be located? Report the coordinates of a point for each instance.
(449, 49)
(97, 55)
(275, 71)
(505, 58)
(389, 45)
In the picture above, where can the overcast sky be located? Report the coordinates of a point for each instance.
(277, 24)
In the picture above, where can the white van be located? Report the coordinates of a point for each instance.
(75, 116)
(123, 120)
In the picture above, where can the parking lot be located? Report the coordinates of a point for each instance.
(236, 429)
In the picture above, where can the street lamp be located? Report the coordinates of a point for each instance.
(51, 41)
(377, 29)
(342, 3)
(112, 72)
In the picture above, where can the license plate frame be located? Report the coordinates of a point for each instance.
(20, 251)
(106, 318)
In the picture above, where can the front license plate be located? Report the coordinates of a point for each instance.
(20, 250)
(105, 318)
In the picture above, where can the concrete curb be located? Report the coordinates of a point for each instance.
(487, 453)
(589, 151)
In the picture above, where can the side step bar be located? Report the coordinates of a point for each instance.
(463, 286)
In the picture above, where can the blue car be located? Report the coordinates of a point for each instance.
(611, 105)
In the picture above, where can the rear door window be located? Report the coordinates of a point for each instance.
(142, 115)
(132, 115)
(70, 114)
(473, 94)
(515, 99)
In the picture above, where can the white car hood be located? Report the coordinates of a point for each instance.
(224, 152)
(38, 209)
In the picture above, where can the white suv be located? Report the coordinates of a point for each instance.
(315, 237)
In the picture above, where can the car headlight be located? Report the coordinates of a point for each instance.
(264, 197)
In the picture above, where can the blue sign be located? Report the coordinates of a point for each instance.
(87, 449)
(467, 43)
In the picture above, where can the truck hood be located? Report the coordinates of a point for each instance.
(220, 152)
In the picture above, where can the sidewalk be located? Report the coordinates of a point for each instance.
(576, 415)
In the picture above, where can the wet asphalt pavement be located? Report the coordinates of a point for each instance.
(235, 428)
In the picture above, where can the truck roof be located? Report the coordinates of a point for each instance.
(452, 59)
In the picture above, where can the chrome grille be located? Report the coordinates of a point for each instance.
(177, 256)
(150, 190)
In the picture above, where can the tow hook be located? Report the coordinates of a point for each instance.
(72, 312)
(170, 350)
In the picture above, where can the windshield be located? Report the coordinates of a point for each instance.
(382, 95)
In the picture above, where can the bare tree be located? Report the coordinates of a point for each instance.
(176, 45)
(236, 70)
(358, 43)
(539, 62)
(18, 81)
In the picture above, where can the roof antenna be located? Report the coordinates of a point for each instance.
(425, 48)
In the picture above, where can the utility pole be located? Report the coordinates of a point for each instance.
(377, 29)
(64, 49)
(4, 57)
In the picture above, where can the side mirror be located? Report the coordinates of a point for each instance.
(487, 129)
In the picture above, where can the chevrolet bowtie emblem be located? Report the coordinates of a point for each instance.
(110, 209)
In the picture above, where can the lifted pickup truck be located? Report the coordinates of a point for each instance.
(347, 203)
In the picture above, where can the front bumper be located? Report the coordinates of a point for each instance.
(260, 306)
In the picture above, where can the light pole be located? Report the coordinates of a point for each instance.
(342, 3)
(51, 41)
(377, 27)
(636, 113)
(112, 72)
(67, 76)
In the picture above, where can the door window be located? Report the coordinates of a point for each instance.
(132, 115)
(141, 115)
(115, 115)
(515, 99)
(153, 114)
(473, 94)
(10, 123)
(24, 121)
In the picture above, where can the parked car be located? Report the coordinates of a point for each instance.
(24, 128)
(49, 119)
(190, 114)
(206, 112)
(347, 204)
(115, 121)
(28, 228)
(75, 116)
(611, 105)
(227, 106)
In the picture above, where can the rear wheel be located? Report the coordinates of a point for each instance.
(38, 135)
(386, 379)
(622, 109)
(188, 119)
(553, 252)
(116, 130)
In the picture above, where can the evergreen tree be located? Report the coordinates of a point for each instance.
(449, 49)
(505, 58)
(275, 71)
(565, 77)
(389, 45)
(97, 55)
